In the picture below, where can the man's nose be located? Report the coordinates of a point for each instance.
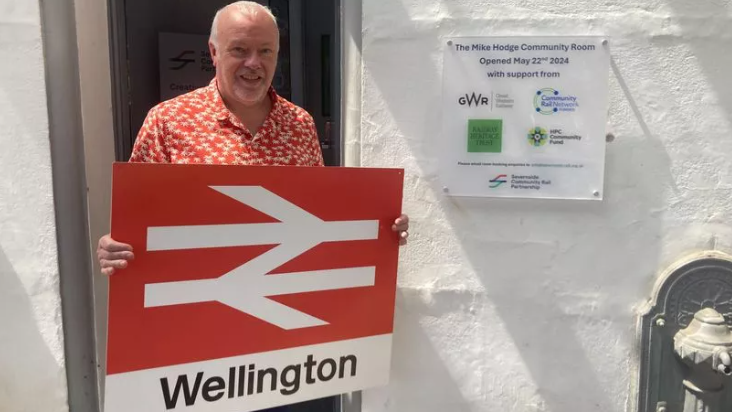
(253, 60)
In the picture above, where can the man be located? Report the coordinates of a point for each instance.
(237, 119)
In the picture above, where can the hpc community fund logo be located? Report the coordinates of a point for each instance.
(537, 136)
(549, 101)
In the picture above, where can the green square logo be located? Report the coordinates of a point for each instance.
(485, 135)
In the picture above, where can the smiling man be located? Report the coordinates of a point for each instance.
(237, 119)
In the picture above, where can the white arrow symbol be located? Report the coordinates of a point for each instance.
(247, 287)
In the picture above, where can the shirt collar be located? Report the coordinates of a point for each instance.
(221, 112)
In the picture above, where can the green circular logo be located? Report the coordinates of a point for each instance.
(537, 136)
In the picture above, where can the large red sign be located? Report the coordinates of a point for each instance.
(285, 266)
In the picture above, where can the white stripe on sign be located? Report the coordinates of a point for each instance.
(252, 382)
(247, 287)
(296, 226)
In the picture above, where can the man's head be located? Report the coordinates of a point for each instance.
(244, 43)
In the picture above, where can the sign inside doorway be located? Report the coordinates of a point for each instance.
(251, 287)
(185, 62)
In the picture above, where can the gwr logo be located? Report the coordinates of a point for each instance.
(473, 99)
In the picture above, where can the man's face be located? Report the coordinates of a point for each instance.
(246, 57)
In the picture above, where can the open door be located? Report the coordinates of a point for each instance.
(159, 50)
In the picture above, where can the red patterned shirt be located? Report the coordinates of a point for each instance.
(197, 127)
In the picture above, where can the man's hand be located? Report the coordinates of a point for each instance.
(113, 255)
(401, 225)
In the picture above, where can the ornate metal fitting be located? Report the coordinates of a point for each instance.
(706, 342)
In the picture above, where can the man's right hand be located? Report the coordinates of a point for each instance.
(113, 255)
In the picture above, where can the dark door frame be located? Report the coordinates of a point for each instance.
(120, 77)
(124, 135)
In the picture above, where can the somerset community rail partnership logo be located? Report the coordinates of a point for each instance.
(549, 101)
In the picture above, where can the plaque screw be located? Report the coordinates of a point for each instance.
(449, 43)
(660, 322)
(604, 42)
(445, 189)
(609, 137)
(596, 193)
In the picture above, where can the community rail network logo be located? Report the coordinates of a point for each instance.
(497, 181)
(550, 101)
(537, 136)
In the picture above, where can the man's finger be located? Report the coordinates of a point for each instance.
(111, 245)
(402, 220)
(103, 254)
(400, 228)
(115, 264)
(108, 271)
(403, 235)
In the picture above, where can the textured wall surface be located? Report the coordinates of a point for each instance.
(32, 373)
(531, 305)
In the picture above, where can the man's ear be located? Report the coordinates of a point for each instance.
(213, 51)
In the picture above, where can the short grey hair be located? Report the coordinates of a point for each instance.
(247, 8)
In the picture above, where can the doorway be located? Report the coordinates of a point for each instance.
(159, 50)
(153, 41)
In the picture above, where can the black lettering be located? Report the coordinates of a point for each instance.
(213, 384)
(232, 381)
(290, 386)
(309, 370)
(188, 395)
(261, 374)
(342, 367)
(250, 377)
(242, 369)
(473, 99)
(326, 378)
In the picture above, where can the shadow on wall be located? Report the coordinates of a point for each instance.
(416, 366)
(30, 378)
(709, 41)
(560, 278)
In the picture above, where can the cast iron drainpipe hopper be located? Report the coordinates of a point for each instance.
(704, 348)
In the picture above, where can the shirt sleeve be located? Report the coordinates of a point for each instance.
(313, 144)
(149, 146)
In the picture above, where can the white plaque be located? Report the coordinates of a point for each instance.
(185, 63)
(524, 116)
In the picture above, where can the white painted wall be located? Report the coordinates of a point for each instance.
(32, 371)
(519, 305)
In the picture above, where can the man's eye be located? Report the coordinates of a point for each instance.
(267, 51)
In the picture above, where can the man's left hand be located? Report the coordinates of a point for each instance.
(401, 225)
